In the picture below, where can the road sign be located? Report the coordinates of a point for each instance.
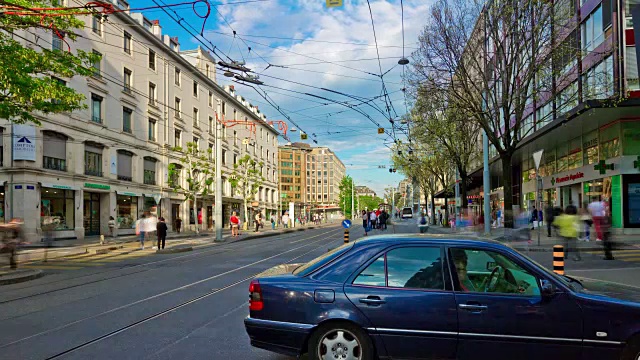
(346, 223)
(380, 130)
(537, 156)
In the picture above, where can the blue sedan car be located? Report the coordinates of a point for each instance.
(435, 297)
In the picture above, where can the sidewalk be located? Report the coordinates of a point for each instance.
(518, 240)
(62, 248)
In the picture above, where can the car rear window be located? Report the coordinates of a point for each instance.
(320, 261)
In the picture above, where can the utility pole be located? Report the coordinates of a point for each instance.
(218, 194)
(486, 183)
(352, 200)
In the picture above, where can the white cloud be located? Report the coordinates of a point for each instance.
(329, 36)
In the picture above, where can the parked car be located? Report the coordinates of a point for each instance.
(439, 297)
(407, 213)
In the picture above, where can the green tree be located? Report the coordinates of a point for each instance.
(494, 60)
(247, 179)
(345, 187)
(444, 125)
(369, 202)
(29, 75)
(199, 170)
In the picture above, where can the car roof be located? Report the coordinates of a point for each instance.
(436, 239)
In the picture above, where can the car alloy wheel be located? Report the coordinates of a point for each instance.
(339, 344)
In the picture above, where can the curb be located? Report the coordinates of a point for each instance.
(109, 249)
(20, 276)
(174, 250)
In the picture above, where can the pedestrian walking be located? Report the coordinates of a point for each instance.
(423, 223)
(285, 220)
(534, 218)
(140, 228)
(161, 231)
(258, 221)
(372, 219)
(112, 226)
(12, 237)
(150, 226)
(567, 224)
(598, 213)
(607, 242)
(178, 224)
(549, 215)
(585, 224)
(365, 221)
(384, 219)
(273, 222)
(235, 224)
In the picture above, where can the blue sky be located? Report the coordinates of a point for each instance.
(327, 48)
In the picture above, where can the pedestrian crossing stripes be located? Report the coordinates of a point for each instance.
(622, 255)
(91, 259)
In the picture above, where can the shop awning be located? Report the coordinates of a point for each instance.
(59, 186)
(127, 193)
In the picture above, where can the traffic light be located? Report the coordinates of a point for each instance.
(380, 130)
(303, 136)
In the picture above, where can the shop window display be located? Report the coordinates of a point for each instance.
(127, 211)
(57, 209)
(610, 141)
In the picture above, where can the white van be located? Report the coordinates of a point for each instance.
(407, 213)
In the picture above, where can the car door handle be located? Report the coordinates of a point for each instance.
(372, 301)
(473, 308)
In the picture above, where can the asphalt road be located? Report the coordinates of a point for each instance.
(177, 306)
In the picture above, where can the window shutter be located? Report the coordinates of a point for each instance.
(124, 164)
(92, 148)
(150, 164)
(55, 145)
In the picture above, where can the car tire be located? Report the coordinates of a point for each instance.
(349, 336)
(632, 350)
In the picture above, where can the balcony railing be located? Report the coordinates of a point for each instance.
(149, 181)
(125, 178)
(54, 164)
(93, 172)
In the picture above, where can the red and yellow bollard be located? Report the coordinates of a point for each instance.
(558, 259)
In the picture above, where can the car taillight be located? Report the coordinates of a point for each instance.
(255, 296)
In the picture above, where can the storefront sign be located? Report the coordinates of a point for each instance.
(57, 186)
(572, 177)
(31, 187)
(24, 142)
(97, 186)
(18, 187)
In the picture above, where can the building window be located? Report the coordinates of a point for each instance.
(152, 93)
(177, 77)
(57, 209)
(152, 59)
(178, 138)
(633, 80)
(208, 69)
(96, 24)
(127, 211)
(210, 99)
(127, 80)
(224, 157)
(92, 160)
(150, 171)
(152, 129)
(598, 82)
(211, 150)
(56, 153)
(56, 41)
(592, 31)
(211, 124)
(126, 119)
(62, 84)
(178, 108)
(96, 108)
(196, 118)
(195, 88)
(127, 42)
(174, 177)
(97, 70)
(196, 143)
(124, 165)
(224, 109)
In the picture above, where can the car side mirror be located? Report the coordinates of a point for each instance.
(547, 289)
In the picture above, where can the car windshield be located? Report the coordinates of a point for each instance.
(406, 211)
(562, 279)
(321, 260)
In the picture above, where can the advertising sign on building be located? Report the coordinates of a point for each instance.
(24, 142)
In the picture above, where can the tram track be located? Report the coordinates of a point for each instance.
(325, 236)
(179, 259)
